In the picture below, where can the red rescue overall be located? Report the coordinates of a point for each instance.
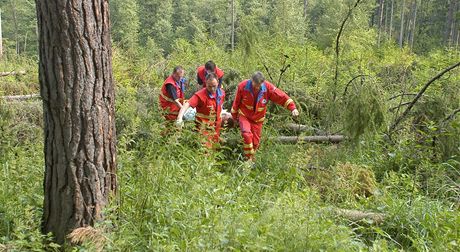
(250, 108)
(201, 74)
(208, 109)
(170, 108)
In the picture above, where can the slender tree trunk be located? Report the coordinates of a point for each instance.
(401, 31)
(381, 6)
(391, 19)
(15, 22)
(25, 43)
(233, 25)
(1, 36)
(415, 7)
(76, 84)
(305, 5)
(449, 23)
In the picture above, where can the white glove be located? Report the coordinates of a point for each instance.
(295, 112)
(179, 123)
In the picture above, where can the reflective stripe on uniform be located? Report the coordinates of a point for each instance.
(251, 151)
(288, 102)
(249, 145)
(166, 98)
(260, 120)
(209, 117)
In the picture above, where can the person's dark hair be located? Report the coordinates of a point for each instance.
(258, 77)
(177, 69)
(211, 76)
(210, 65)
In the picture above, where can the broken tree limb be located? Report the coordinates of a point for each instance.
(297, 128)
(356, 215)
(419, 94)
(12, 73)
(399, 106)
(399, 95)
(20, 97)
(309, 139)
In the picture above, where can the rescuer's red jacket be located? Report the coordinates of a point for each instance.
(166, 102)
(201, 75)
(254, 106)
(208, 106)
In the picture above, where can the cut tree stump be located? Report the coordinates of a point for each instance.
(20, 97)
(309, 139)
(2, 74)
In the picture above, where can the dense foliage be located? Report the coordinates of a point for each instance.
(175, 195)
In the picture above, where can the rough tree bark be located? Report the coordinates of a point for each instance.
(76, 84)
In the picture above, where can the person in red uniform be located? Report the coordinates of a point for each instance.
(250, 106)
(172, 94)
(208, 103)
(203, 71)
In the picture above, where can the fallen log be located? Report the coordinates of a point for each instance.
(356, 215)
(309, 139)
(2, 74)
(297, 128)
(20, 97)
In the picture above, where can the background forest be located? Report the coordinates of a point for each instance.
(371, 83)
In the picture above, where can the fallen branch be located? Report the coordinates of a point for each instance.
(20, 97)
(297, 128)
(12, 73)
(419, 94)
(356, 215)
(399, 106)
(451, 116)
(403, 94)
(309, 139)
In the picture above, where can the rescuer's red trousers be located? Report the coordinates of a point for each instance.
(251, 132)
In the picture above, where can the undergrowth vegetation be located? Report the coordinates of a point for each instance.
(175, 195)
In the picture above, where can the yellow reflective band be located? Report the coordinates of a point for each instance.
(233, 110)
(260, 120)
(166, 98)
(260, 109)
(209, 117)
(249, 145)
(249, 107)
(241, 112)
(251, 151)
(288, 102)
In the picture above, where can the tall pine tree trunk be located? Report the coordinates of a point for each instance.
(414, 22)
(401, 31)
(391, 19)
(449, 23)
(381, 6)
(15, 22)
(1, 36)
(305, 6)
(76, 84)
(233, 26)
